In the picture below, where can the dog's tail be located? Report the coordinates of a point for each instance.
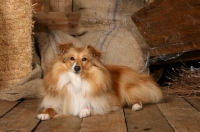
(150, 93)
(143, 91)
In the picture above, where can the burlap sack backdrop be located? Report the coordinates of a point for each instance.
(47, 44)
(107, 25)
(18, 77)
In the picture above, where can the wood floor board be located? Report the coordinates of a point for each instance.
(5, 106)
(148, 119)
(173, 114)
(60, 124)
(22, 118)
(111, 122)
(181, 115)
(194, 101)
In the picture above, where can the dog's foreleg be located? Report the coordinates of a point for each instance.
(47, 114)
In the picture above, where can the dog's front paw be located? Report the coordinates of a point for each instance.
(43, 117)
(84, 113)
(136, 107)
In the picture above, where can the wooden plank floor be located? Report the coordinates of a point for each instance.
(173, 114)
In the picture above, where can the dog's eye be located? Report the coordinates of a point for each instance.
(84, 59)
(72, 58)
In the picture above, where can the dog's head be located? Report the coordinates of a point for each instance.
(80, 60)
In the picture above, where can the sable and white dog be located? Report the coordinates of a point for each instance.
(79, 84)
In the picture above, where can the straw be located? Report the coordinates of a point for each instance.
(15, 41)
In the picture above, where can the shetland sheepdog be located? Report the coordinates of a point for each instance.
(79, 84)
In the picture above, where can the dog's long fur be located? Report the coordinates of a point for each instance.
(79, 84)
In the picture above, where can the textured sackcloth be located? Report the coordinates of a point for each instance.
(48, 45)
(107, 25)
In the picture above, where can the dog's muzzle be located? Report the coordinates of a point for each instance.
(77, 69)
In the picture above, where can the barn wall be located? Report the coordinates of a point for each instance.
(55, 15)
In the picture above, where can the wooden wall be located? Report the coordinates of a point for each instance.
(170, 26)
(55, 15)
(53, 5)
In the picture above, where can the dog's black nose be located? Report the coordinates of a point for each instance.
(77, 68)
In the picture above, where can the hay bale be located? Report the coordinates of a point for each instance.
(15, 41)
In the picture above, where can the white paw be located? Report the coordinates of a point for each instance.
(84, 113)
(43, 117)
(136, 107)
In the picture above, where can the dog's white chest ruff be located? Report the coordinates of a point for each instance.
(77, 88)
(73, 81)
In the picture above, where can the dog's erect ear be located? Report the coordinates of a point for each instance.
(94, 52)
(63, 48)
(97, 55)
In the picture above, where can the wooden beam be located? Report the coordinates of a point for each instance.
(176, 58)
(67, 22)
(170, 26)
(60, 5)
(52, 5)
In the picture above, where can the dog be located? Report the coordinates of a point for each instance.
(79, 84)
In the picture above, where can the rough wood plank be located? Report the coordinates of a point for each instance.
(147, 119)
(67, 22)
(21, 118)
(5, 106)
(194, 101)
(52, 5)
(185, 57)
(181, 115)
(170, 26)
(111, 122)
(60, 5)
(41, 5)
(60, 124)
